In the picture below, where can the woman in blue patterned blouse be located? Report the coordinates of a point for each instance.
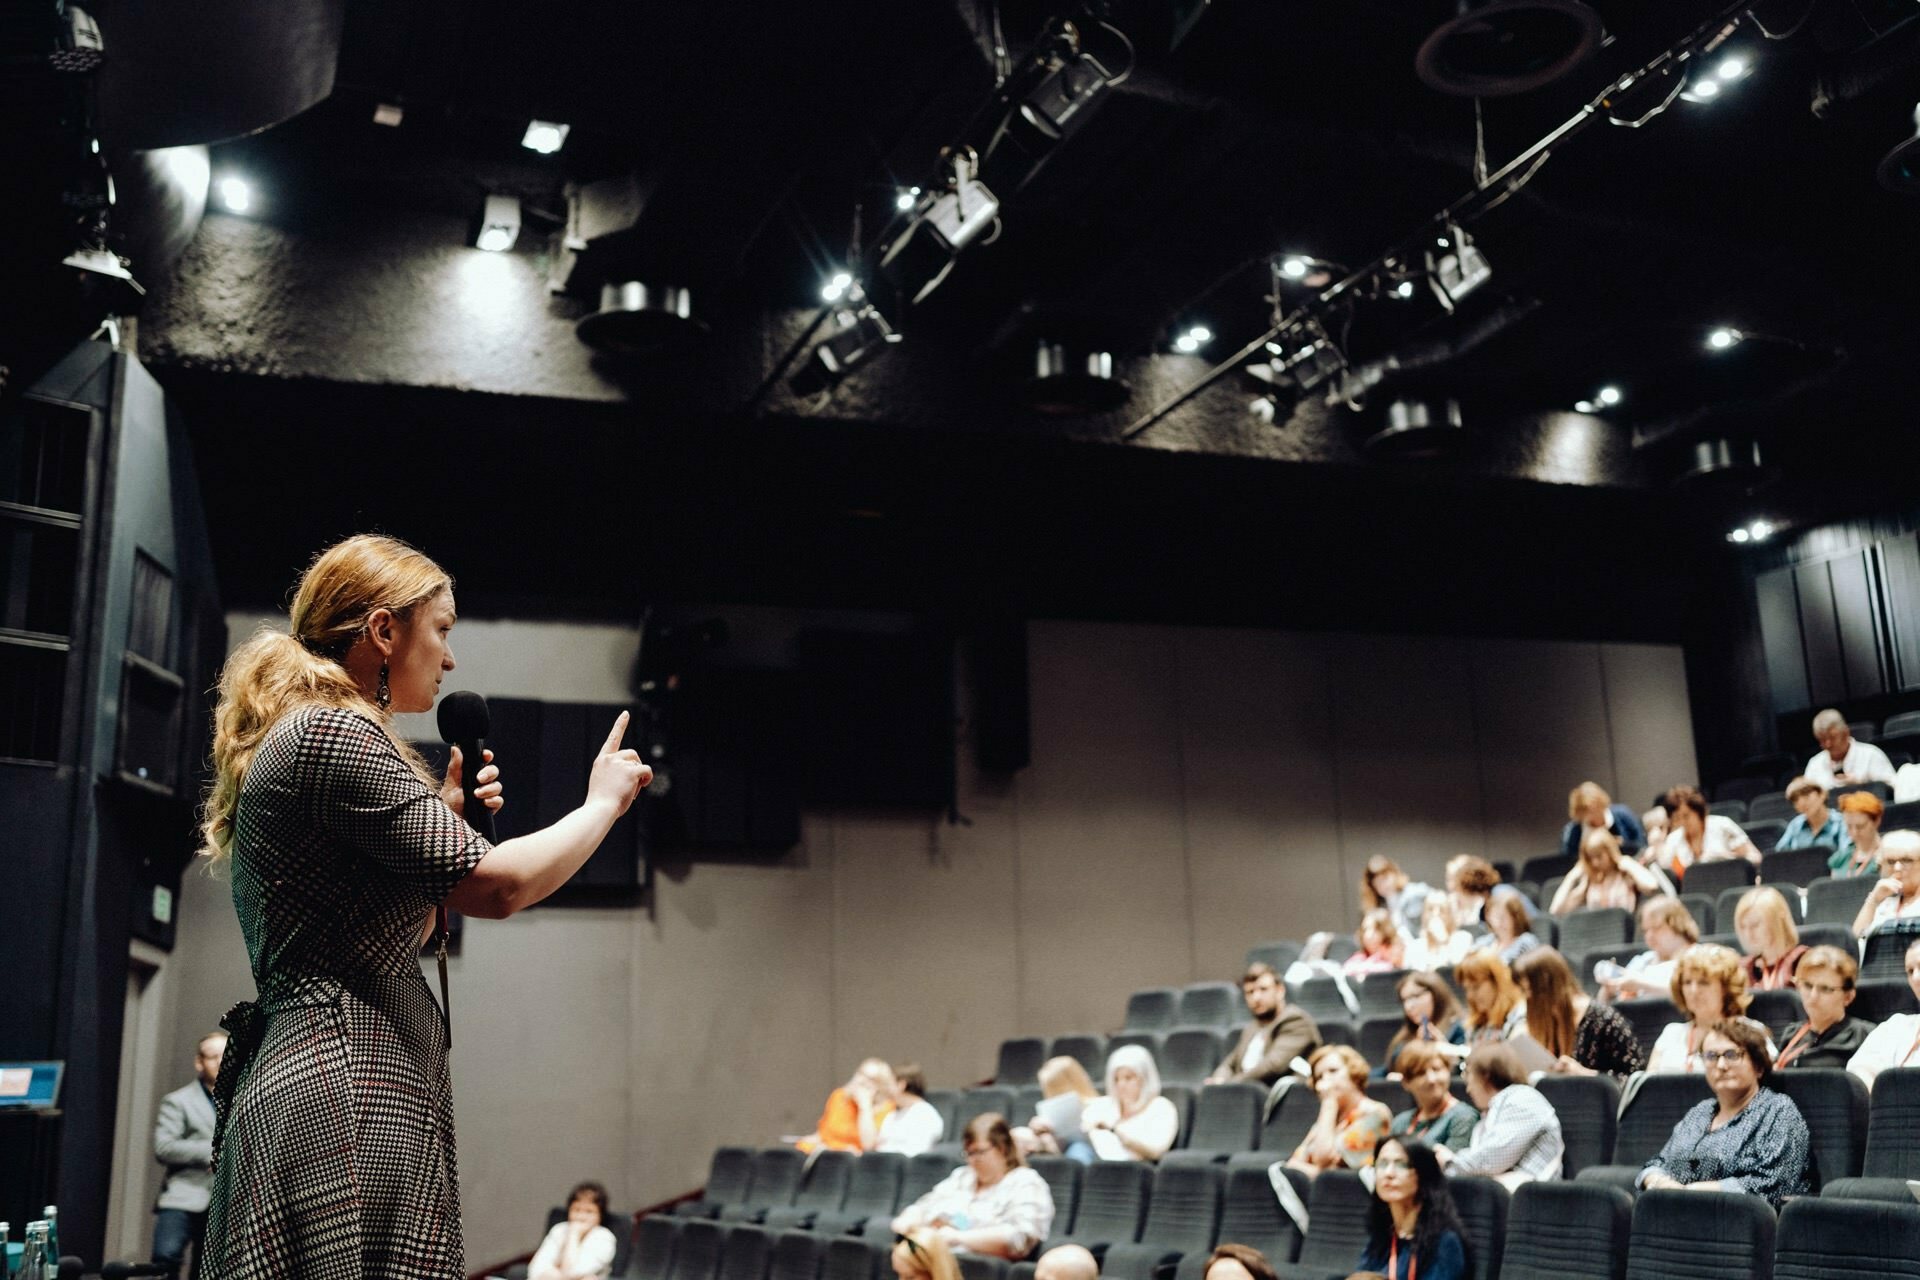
(1749, 1138)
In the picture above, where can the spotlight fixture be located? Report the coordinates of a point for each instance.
(1403, 290)
(920, 257)
(1068, 381)
(1609, 396)
(1703, 89)
(860, 335)
(636, 319)
(1456, 267)
(389, 114)
(1063, 84)
(499, 224)
(834, 289)
(1758, 531)
(235, 195)
(1584, 406)
(1193, 339)
(1722, 462)
(1732, 67)
(1420, 427)
(1722, 338)
(545, 136)
(1504, 47)
(1295, 268)
(908, 197)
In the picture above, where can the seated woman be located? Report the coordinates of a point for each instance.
(1896, 896)
(851, 1119)
(1349, 1124)
(1384, 886)
(1658, 825)
(1431, 1017)
(993, 1205)
(1747, 1138)
(1441, 941)
(1591, 809)
(1471, 884)
(1237, 1262)
(914, 1124)
(1132, 1122)
(1585, 1037)
(1412, 1227)
(1814, 826)
(1059, 1078)
(1512, 934)
(580, 1247)
(1830, 1035)
(1699, 836)
(1380, 946)
(1709, 986)
(1767, 934)
(1861, 811)
(1436, 1116)
(1495, 1009)
(1895, 1042)
(1518, 1137)
(1668, 928)
(1604, 877)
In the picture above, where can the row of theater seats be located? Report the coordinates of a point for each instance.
(1773, 806)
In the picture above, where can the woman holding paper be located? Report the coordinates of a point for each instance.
(1133, 1122)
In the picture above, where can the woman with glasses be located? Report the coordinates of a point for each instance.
(1830, 1035)
(1895, 1042)
(1412, 1227)
(1436, 1116)
(1897, 895)
(992, 1205)
(1132, 1122)
(1747, 1138)
(1709, 986)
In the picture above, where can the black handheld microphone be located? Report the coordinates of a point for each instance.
(464, 722)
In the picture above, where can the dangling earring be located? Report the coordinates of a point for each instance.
(382, 694)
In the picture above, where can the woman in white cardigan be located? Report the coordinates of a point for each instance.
(579, 1247)
(1133, 1121)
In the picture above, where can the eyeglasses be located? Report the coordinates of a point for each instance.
(1895, 864)
(1722, 1057)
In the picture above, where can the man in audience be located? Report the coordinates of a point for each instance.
(183, 1141)
(1518, 1138)
(1841, 761)
(1277, 1035)
(1067, 1262)
(1590, 808)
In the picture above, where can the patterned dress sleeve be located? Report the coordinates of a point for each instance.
(1609, 1047)
(1776, 1152)
(1358, 1139)
(370, 798)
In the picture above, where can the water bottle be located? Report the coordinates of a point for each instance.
(1608, 971)
(51, 1267)
(4, 1228)
(33, 1257)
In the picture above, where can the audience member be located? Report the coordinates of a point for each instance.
(1657, 824)
(1585, 1037)
(1668, 929)
(1067, 1262)
(1436, 1116)
(1507, 924)
(1590, 809)
(1278, 1034)
(1861, 811)
(1441, 941)
(1237, 1262)
(1699, 836)
(1830, 1035)
(1061, 1077)
(1384, 886)
(1896, 895)
(1471, 882)
(1380, 946)
(1764, 923)
(1813, 825)
(851, 1119)
(1132, 1122)
(1350, 1123)
(1747, 1138)
(183, 1142)
(1431, 1017)
(1841, 760)
(1518, 1137)
(1412, 1227)
(1605, 877)
(992, 1205)
(1709, 986)
(580, 1246)
(1895, 1042)
(1495, 1009)
(914, 1124)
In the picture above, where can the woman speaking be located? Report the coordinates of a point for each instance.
(334, 1152)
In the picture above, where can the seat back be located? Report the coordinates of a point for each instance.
(1880, 789)
(1226, 1117)
(1883, 955)
(1893, 1120)
(1184, 1212)
(1336, 1031)
(1880, 999)
(776, 1176)
(1794, 867)
(1148, 1040)
(1089, 1051)
(1026, 1102)
(1831, 901)
(653, 1243)
(1287, 1120)
(1567, 1231)
(1715, 878)
(1379, 994)
(1584, 931)
(1830, 935)
(1771, 807)
(1018, 1061)
(1375, 1034)
(730, 1177)
(846, 1258)
(1278, 956)
(1735, 809)
(1700, 1235)
(1776, 1010)
(795, 1256)
(1700, 907)
(1189, 1054)
(974, 1102)
(1483, 1206)
(743, 1255)
(947, 1103)
(1114, 1195)
(1063, 1179)
(1834, 1105)
(1588, 1107)
(1765, 834)
(1250, 1213)
(1210, 1004)
(874, 1184)
(924, 1172)
(1902, 723)
(1745, 787)
(1547, 866)
(1181, 1096)
(1319, 998)
(1650, 1117)
(1648, 1016)
(1152, 1009)
(1390, 1092)
(1904, 816)
(823, 1185)
(1336, 1222)
(697, 1255)
(1820, 1238)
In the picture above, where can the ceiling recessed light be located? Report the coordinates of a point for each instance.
(545, 136)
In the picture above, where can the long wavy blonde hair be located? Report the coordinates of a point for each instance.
(276, 672)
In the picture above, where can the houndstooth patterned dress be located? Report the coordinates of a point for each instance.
(335, 1159)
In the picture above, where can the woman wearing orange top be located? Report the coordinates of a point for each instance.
(851, 1119)
(1350, 1124)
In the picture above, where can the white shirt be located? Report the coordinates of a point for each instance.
(1864, 763)
(1670, 1055)
(1153, 1127)
(1717, 843)
(911, 1130)
(1889, 1045)
(1021, 1203)
(1890, 909)
(593, 1260)
(1519, 1135)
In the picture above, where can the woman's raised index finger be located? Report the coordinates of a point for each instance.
(619, 732)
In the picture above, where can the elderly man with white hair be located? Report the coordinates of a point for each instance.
(1842, 761)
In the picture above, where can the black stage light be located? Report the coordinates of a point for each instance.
(860, 335)
(946, 221)
(1423, 427)
(639, 319)
(1071, 380)
(1500, 47)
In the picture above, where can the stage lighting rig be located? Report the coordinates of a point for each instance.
(1456, 267)
(943, 222)
(859, 335)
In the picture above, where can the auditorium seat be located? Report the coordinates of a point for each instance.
(743, 1255)
(1879, 789)
(1904, 816)
(1648, 1016)
(1830, 935)
(1892, 1155)
(1646, 1123)
(1209, 1004)
(776, 1176)
(1776, 1010)
(1288, 1118)
(1336, 1228)
(1700, 907)
(1715, 878)
(975, 1266)
(1379, 995)
(1279, 956)
(653, 1244)
(1865, 730)
(1181, 1096)
(1845, 1240)
(1745, 787)
(1114, 1195)
(1188, 1054)
(1588, 930)
(795, 1256)
(1700, 1235)
(1794, 867)
(1063, 1179)
(924, 1172)
(1152, 1009)
(1319, 998)
(1375, 1035)
(974, 1102)
(1881, 998)
(696, 1255)
(1587, 1107)
(1250, 1213)
(1341, 947)
(1483, 1204)
(1182, 1217)
(847, 1258)
(1019, 1060)
(1774, 807)
(1883, 952)
(1567, 1231)
(873, 1188)
(1546, 867)
(1834, 1105)
(1904, 722)
(1392, 1093)
(1831, 901)
(1584, 962)
(1148, 1040)
(729, 1180)
(1735, 809)
(1026, 1100)
(1226, 1119)
(1336, 1031)
(1089, 1051)
(823, 1185)
(1508, 872)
